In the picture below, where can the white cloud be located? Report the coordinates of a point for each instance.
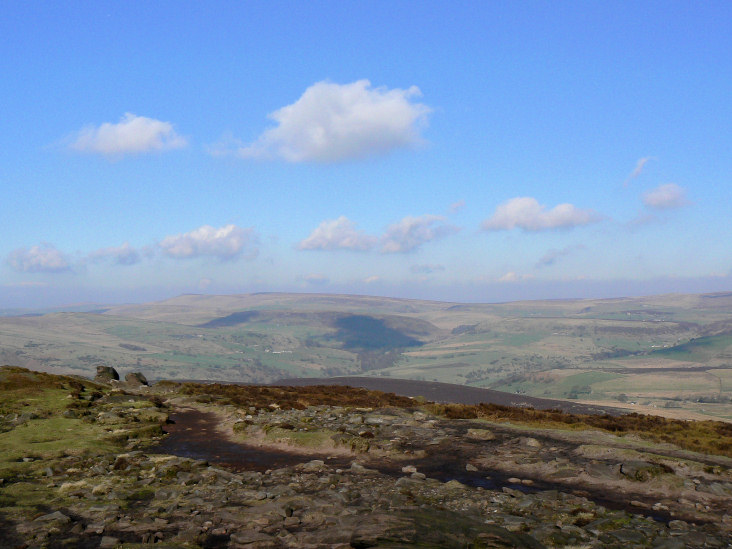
(665, 197)
(411, 232)
(638, 169)
(526, 213)
(227, 242)
(371, 279)
(337, 234)
(335, 122)
(120, 255)
(44, 258)
(401, 237)
(133, 134)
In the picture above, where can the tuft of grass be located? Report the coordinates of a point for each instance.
(307, 439)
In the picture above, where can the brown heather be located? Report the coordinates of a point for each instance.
(712, 437)
(298, 398)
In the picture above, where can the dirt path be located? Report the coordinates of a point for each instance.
(207, 434)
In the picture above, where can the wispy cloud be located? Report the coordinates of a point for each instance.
(411, 232)
(224, 243)
(665, 197)
(426, 269)
(526, 213)
(119, 255)
(371, 279)
(512, 276)
(457, 206)
(316, 279)
(552, 256)
(338, 234)
(131, 135)
(44, 258)
(26, 284)
(638, 169)
(336, 122)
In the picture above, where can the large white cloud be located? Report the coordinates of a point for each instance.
(334, 122)
(411, 232)
(120, 255)
(337, 234)
(665, 197)
(227, 242)
(526, 213)
(133, 134)
(44, 258)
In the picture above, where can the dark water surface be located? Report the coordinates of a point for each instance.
(194, 435)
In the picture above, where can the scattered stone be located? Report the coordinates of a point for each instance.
(108, 542)
(530, 442)
(142, 498)
(454, 485)
(314, 465)
(480, 434)
(640, 471)
(245, 538)
(56, 516)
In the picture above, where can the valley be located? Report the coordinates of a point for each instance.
(668, 355)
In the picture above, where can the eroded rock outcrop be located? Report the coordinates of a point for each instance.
(135, 379)
(105, 374)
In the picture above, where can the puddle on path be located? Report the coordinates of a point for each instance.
(194, 435)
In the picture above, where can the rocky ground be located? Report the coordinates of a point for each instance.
(345, 476)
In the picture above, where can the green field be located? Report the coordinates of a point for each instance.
(592, 349)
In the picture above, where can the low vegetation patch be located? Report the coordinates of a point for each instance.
(49, 423)
(298, 398)
(712, 437)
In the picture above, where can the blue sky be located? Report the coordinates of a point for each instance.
(476, 151)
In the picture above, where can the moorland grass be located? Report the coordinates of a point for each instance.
(297, 398)
(48, 422)
(711, 437)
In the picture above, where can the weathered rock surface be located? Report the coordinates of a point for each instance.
(135, 379)
(105, 374)
(413, 480)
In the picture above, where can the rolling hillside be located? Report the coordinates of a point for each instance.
(673, 351)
